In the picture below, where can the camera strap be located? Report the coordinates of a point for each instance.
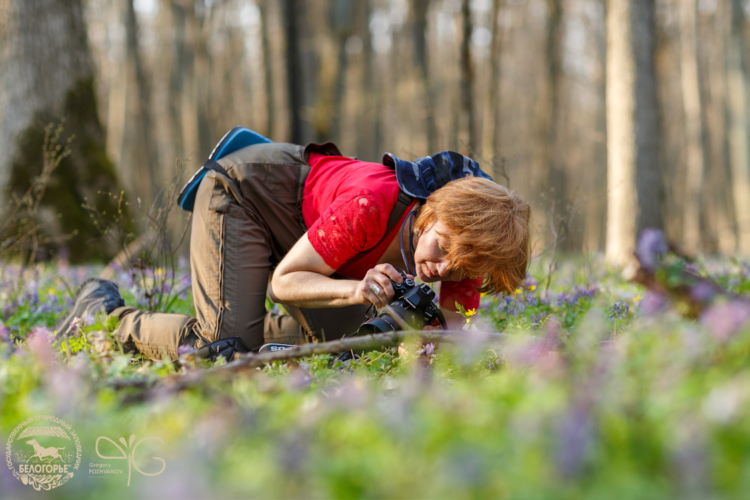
(410, 257)
(403, 202)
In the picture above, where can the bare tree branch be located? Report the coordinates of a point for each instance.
(361, 343)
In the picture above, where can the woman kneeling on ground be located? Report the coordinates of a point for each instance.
(310, 228)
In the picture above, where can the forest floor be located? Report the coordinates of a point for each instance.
(599, 388)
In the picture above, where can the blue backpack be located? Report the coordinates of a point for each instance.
(235, 139)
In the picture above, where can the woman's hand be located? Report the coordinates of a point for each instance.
(378, 279)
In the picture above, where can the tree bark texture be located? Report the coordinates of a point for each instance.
(43, 54)
(694, 152)
(468, 122)
(550, 143)
(342, 17)
(370, 127)
(47, 75)
(493, 130)
(181, 63)
(294, 70)
(267, 65)
(420, 11)
(737, 102)
(143, 179)
(720, 209)
(634, 193)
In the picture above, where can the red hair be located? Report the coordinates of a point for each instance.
(488, 228)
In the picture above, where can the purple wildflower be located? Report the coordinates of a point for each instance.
(75, 325)
(585, 292)
(530, 281)
(538, 317)
(4, 333)
(184, 286)
(428, 349)
(186, 349)
(515, 307)
(485, 304)
(727, 318)
(651, 245)
(652, 303)
(566, 299)
(619, 310)
(8, 310)
(574, 441)
(702, 292)
(300, 378)
(38, 343)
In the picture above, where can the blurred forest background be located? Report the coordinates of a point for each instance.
(607, 116)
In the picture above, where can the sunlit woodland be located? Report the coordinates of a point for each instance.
(528, 88)
(618, 368)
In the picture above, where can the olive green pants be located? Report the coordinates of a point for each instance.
(242, 227)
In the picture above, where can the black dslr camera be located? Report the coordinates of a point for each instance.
(412, 305)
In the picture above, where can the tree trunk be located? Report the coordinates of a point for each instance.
(546, 179)
(694, 153)
(467, 120)
(342, 22)
(634, 193)
(144, 169)
(369, 127)
(493, 100)
(181, 64)
(738, 125)
(201, 74)
(47, 75)
(267, 65)
(43, 54)
(420, 10)
(294, 72)
(720, 209)
(550, 144)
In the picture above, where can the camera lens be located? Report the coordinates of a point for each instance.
(381, 324)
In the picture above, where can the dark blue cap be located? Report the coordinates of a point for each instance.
(428, 173)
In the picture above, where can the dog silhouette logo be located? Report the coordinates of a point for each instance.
(49, 458)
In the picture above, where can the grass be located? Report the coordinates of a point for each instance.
(600, 391)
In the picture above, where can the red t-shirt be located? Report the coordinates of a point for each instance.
(346, 204)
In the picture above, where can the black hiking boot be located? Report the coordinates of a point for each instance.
(223, 347)
(95, 295)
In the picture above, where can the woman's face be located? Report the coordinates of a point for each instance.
(430, 256)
